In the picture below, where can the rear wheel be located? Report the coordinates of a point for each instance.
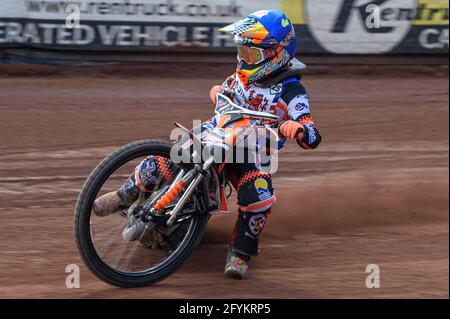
(99, 239)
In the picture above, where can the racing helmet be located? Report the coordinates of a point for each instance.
(266, 43)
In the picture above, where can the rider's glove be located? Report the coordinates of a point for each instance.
(220, 89)
(292, 129)
(214, 91)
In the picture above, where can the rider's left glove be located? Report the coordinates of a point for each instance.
(292, 129)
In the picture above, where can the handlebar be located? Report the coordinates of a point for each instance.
(225, 106)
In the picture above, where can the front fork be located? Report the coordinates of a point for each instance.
(192, 178)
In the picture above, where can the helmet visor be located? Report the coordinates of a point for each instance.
(250, 55)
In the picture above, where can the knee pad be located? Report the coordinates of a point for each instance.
(255, 192)
(151, 171)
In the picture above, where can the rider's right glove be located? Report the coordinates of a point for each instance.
(214, 91)
(292, 129)
(220, 89)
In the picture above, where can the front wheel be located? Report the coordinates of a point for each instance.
(99, 239)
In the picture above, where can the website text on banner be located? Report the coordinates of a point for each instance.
(324, 26)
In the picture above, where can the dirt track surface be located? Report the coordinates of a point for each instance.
(375, 192)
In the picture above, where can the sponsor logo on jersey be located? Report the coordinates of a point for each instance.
(300, 107)
(276, 89)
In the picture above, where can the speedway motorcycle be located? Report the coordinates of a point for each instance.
(150, 240)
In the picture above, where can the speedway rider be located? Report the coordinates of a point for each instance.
(267, 79)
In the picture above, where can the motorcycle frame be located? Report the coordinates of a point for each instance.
(194, 177)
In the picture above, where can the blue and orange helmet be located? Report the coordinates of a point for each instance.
(266, 44)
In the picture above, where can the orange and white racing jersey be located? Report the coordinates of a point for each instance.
(287, 99)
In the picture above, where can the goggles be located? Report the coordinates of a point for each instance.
(252, 55)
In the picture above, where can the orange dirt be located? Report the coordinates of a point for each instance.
(375, 192)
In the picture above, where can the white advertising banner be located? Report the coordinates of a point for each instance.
(322, 26)
(186, 11)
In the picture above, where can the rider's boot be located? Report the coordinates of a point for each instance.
(245, 241)
(236, 266)
(112, 203)
(146, 176)
(118, 200)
